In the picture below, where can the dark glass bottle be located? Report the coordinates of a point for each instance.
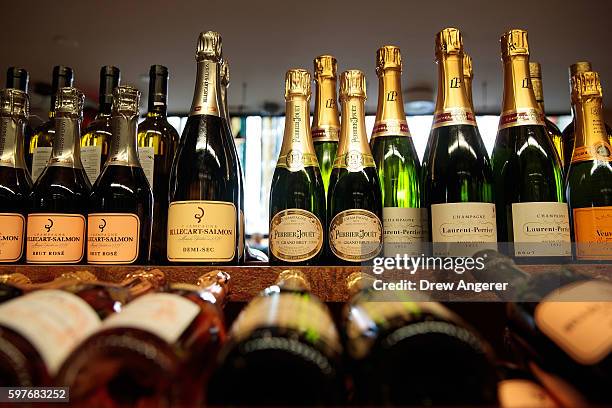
(204, 195)
(19, 78)
(15, 182)
(59, 199)
(121, 202)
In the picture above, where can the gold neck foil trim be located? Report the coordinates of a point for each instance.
(449, 42)
(352, 84)
(15, 279)
(325, 122)
(325, 66)
(535, 70)
(69, 102)
(225, 72)
(155, 277)
(14, 102)
(209, 46)
(578, 67)
(467, 66)
(297, 83)
(514, 42)
(586, 85)
(126, 100)
(388, 57)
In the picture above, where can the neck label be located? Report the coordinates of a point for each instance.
(9, 143)
(453, 117)
(521, 117)
(326, 133)
(390, 127)
(297, 150)
(206, 96)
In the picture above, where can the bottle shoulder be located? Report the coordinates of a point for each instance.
(66, 182)
(101, 125)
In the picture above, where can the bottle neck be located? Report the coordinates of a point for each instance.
(591, 140)
(353, 151)
(538, 92)
(66, 151)
(223, 95)
(325, 123)
(105, 108)
(467, 81)
(207, 95)
(157, 105)
(390, 115)
(297, 150)
(123, 150)
(11, 142)
(452, 104)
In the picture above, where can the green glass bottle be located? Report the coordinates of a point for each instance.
(325, 121)
(532, 215)
(297, 195)
(457, 178)
(354, 203)
(397, 163)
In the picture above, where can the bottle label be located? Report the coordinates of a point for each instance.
(325, 133)
(593, 233)
(390, 127)
(600, 151)
(165, 315)
(205, 98)
(53, 321)
(295, 311)
(55, 238)
(203, 231)
(146, 155)
(91, 157)
(354, 161)
(521, 393)
(454, 116)
(40, 158)
(355, 235)
(582, 328)
(521, 117)
(113, 238)
(405, 229)
(296, 160)
(541, 229)
(11, 236)
(463, 228)
(295, 235)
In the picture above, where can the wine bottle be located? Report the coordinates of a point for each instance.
(56, 222)
(19, 78)
(297, 195)
(450, 364)
(568, 133)
(325, 122)
(157, 352)
(40, 144)
(204, 194)
(517, 388)
(457, 179)
(399, 171)
(157, 143)
(121, 202)
(531, 210)
(468, 77)
(9, 286)
(354, 209)
(283, 350)
(589, 177)
(95, 141)
(559, 323)
(15, 181)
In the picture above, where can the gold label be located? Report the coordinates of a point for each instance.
(520, 393)
(297, 150)
(11, 237)
(521, 117)
(296, 235)
(404, 230)
(326, 133)
(593, 233)
(205, 98)
(580, 328)
(203, 231)
(600, 151)
(40, 159)
(55, 238)
(541, 229)
(91, 157)
(591, 138)
(454, 116)
(113, 238)
(355, 235)
(390, 127)
(354, 161)
(299, 312)
(353, 150)
(296, 160)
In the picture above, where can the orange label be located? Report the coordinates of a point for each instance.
(599, 151)
(520, 393)
(593, 232)
(113, 238)
(12, 229)
(55, 238)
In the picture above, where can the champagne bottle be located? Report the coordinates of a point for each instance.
(397, 163)
(56, 222)
(40, 145)
(15, 181)
(121, 202)
(157, 352)
(204, 194)
(10, 286)
(325, 121)
(589, 177)
(297, 195)
(468, 77)
(531, 213)
(354, 209)
(568, 133)
(283, 350)
(450, 364)
(19, 78)
(535, 75)
(157, 143)
(457, 178)
(96, 139)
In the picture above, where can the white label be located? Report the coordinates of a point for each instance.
(541, 229)
(53, 321)
(163, 314)
(40, 158)
(404, 230)
(91, 156)
(520, 393)
(146, 155)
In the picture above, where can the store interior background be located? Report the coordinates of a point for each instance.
(262, 40)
